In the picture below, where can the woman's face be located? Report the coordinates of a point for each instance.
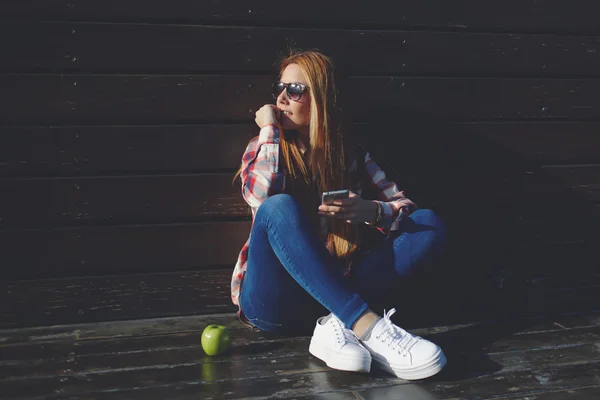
(295, 115)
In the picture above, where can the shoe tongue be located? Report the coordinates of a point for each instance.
(380, 326)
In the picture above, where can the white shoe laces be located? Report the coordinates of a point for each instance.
(395, 337)
(343, 334)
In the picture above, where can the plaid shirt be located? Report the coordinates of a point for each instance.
(262, 177)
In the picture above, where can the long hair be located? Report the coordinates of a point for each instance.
(328, 154)
(327, 167)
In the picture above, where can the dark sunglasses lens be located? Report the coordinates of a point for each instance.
(277, 89)
(294, 91)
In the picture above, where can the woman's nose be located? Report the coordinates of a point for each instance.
(282, 98)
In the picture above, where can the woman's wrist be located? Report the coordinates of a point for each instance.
(376, 219)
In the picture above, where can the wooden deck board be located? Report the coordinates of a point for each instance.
(157, 359)
(415, 392)
(525, 335)
(109, 298)
(375, 386)
(88, 357)
(584, 393)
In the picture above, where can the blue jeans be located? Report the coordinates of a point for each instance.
(291, 278)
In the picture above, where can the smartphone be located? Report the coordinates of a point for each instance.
(328, 197)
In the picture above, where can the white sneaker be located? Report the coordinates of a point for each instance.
(402, 354)
(338, 346)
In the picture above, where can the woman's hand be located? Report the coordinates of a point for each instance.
(354, 210)
(267, 115)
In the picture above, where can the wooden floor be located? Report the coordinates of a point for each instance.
(542, 345)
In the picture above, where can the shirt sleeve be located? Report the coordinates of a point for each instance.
(261, 176)
(395, 206)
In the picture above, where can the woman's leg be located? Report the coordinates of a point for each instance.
(287, 261)
(283, 246)
(420, 238)
(376, 277)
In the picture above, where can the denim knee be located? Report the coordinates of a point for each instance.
(429, 218)
(276, 205)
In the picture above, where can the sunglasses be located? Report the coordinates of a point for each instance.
(293, 90)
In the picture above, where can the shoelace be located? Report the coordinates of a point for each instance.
(346, 334)
(396, 337)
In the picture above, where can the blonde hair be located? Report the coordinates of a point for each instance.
(327, 151)
(327, 162)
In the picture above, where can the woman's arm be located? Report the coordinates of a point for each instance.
(394, 205)
(261, 176)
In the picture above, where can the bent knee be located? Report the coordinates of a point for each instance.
(426, 217)
(435, 227)
(276, 204)
(277, 200)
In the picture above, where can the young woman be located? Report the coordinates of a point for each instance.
(304, 257)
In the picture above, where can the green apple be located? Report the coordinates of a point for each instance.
(216, 339)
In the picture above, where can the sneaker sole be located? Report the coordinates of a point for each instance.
(340, 362)
(425, 370)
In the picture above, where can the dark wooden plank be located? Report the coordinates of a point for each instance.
(121, 297)
(484, 98)
(553, 15)
(504, 145)
(149, 342)
(183, 48)
(519, 197)
(337, 381)
(133, 347)
(83, 150)
(500, 347)
(119, 200)
(139, 99)
(412, 391)
(524, 385)
(524, 181)
(74, 358)
(140, 328)
(258, 354)
(179, 332)
(116, 298)
(516, 206)
(38, 337)
(590, 392)
(543, 143)
(44, 335)
(106, 99)
(88, 251)
(579, 367)
(200, 197)
(96, 354)
(110, 249)
(112, 298)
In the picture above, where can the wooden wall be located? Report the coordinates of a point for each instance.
(121, 123)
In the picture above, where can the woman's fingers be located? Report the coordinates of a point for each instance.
(347, 215)
(346, 202)
(330, 209)
(344, 209)
(267, 115)
(348, 209)
(338, 213)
